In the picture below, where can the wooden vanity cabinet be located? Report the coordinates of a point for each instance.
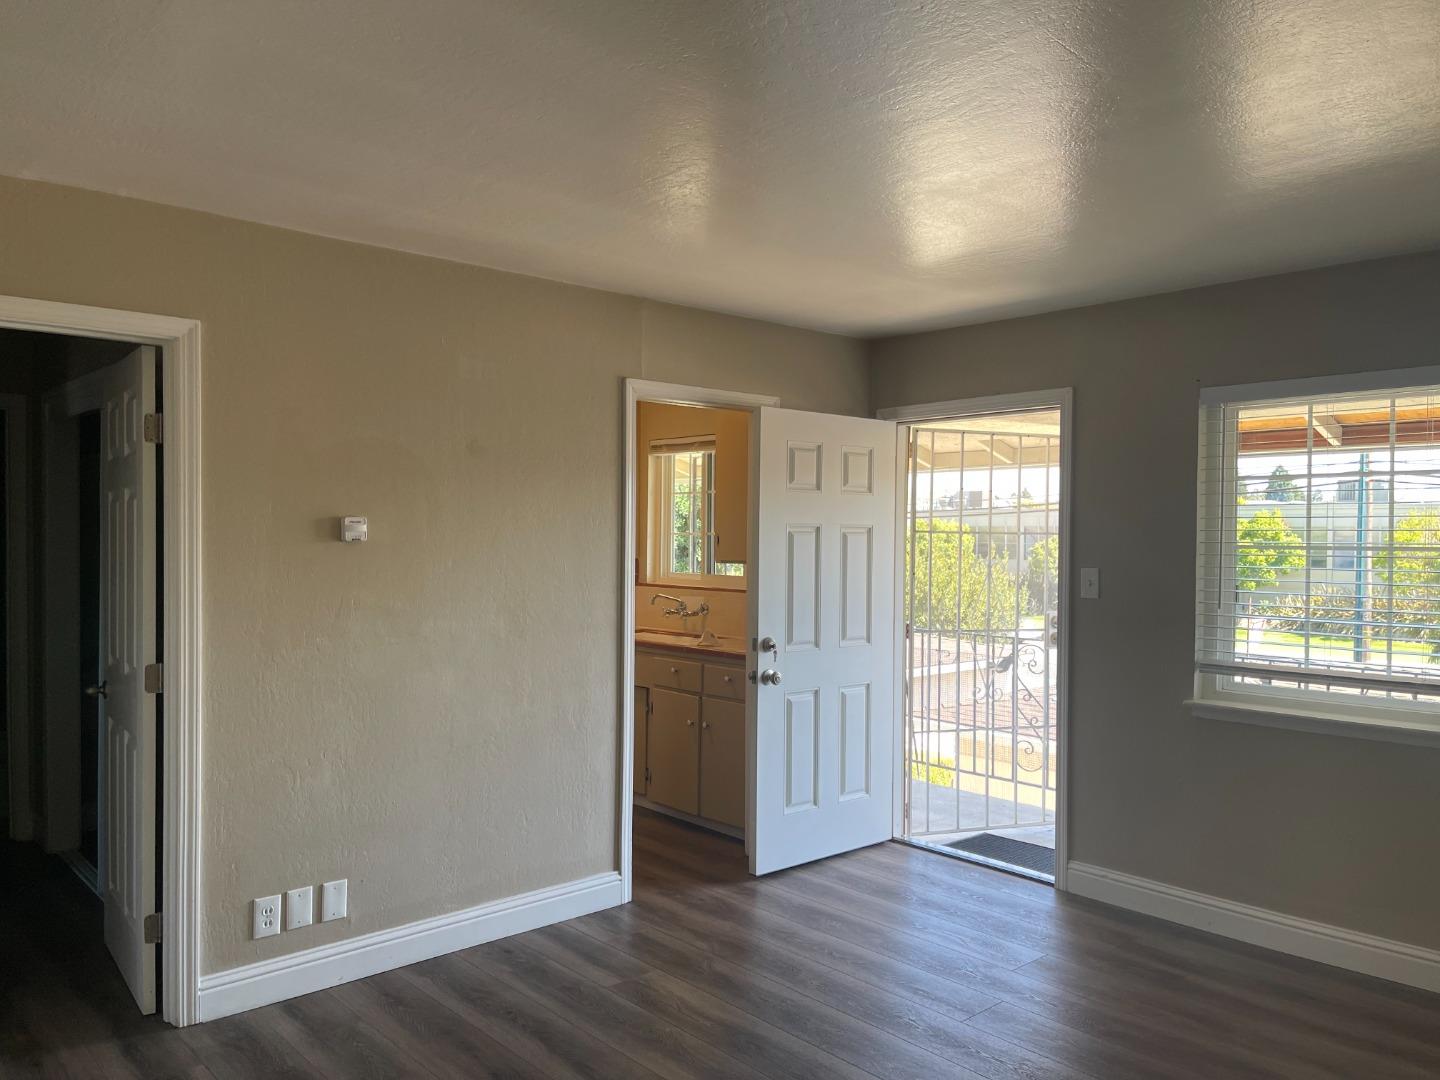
(722, 761)
(690, 756)
(673, 745)
(642, 730)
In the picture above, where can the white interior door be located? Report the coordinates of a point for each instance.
(825, 593)
(127, 644)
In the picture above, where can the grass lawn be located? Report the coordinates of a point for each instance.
(1338, 648)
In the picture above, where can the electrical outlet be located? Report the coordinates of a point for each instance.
(334, 900)
(265, 916)
(299, 907)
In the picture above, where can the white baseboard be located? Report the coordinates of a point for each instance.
(238, 989)
(1365, 953)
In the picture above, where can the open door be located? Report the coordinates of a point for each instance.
(824, 735)
(128, 489)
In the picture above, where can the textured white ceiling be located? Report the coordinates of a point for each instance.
(844, 164)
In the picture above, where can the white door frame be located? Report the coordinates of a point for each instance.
(1063, 399)
(179, 340)
(17, 614)
(636, 391)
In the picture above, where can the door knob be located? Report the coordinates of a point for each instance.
(770, 677)
(767, 644)
(97, 691)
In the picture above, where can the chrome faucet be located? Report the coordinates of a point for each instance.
(681, 608)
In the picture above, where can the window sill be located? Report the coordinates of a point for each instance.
(1295, 718)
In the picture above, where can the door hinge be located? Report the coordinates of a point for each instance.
(154, 428)
(647, 774)
(154, 678)
(152, 929)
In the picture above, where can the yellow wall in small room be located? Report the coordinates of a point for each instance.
(431, 714)
(727, 610)
(731, 428)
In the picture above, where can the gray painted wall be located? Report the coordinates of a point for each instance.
(1342, 830)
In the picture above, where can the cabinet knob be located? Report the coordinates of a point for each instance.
(704, 723)
(689, 723)
(674, 671)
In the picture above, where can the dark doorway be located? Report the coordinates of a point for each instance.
(88, 569)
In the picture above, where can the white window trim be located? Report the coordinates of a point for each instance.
(1215, 704)
(1299, 709)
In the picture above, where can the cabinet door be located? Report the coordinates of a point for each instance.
(732, 485)
(722, 761)
(674, 750)
(642, 728)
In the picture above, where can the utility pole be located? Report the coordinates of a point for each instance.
(1362, 559)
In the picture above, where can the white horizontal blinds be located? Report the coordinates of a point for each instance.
(1319, 541)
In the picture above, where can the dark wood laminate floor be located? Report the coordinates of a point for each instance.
(890, 962)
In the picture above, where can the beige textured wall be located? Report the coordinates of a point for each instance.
(1336, 829)
(431, 714)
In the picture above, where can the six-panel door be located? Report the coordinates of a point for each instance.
(128, 645)
(826, 595)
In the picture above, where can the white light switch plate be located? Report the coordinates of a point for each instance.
(334, 900)
(1089, 583)
(264, 916)
(299, 907)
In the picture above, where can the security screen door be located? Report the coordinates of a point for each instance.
(981, 600)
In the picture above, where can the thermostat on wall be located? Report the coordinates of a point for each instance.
(353, 529)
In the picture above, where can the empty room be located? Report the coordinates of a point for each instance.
(781, 539)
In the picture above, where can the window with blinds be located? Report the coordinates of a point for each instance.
(1319, 548)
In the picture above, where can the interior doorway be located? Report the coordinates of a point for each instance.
(84, 753)
(798, 589)
(162, 922)
(983, 683)
(685, 619)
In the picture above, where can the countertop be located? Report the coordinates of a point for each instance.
(726, 648)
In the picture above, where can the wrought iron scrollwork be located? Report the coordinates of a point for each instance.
(1022, 662)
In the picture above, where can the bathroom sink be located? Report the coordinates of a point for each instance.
(687, 640)
(674, 637)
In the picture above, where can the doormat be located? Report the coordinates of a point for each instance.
(1002, 849)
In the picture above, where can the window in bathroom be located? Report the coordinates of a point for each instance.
(682, 514)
